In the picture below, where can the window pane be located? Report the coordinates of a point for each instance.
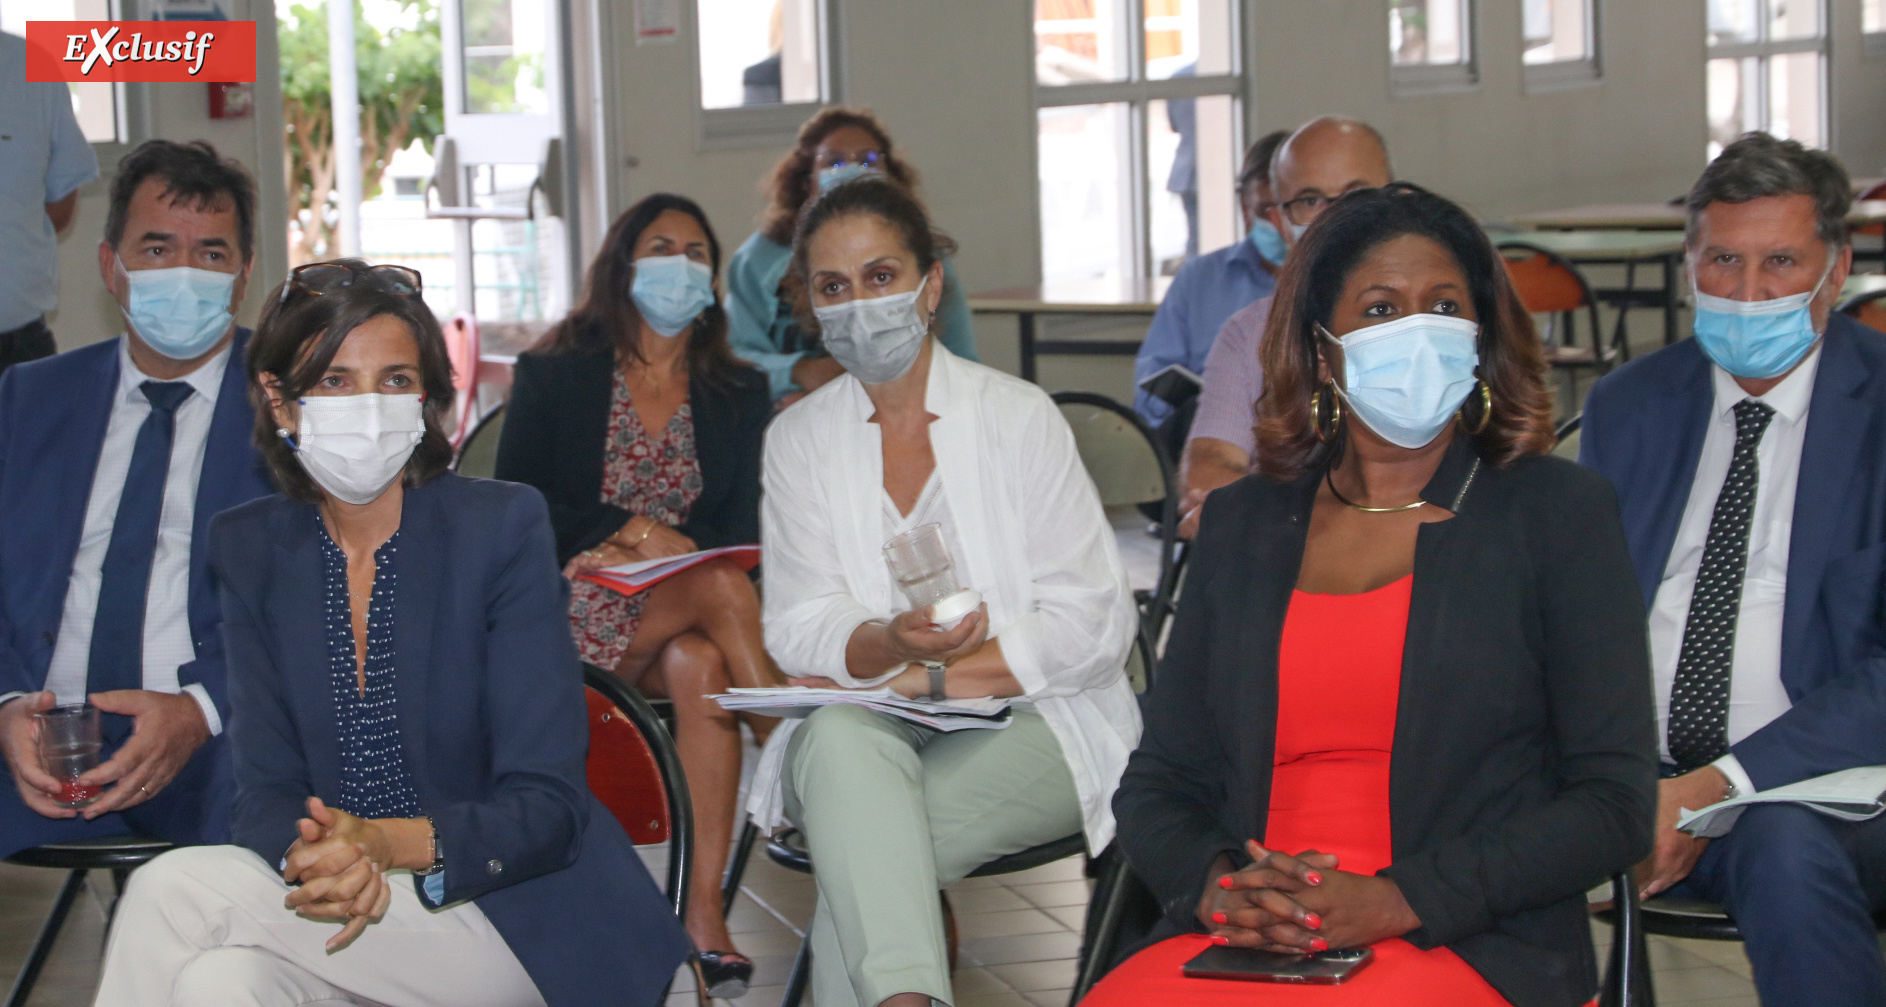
(1794, 97)
(1790, 19)
(1732, 21)
(1873, 16)
(1734, 105)
(1079, 41)
(758, 52)
(1427, 32)
(1086, 223)
(504, 56)
(1188, 38)
(94, 103)
(1191, 178)
(1557, 31)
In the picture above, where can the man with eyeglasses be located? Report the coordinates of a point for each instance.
(1321, 161)
(113, 459)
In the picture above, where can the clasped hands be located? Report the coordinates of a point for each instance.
(1301, 904)
(168, 730)
(340, 861)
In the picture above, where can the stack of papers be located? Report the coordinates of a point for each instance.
(1852, 795)
(944, 715)
(634, 578)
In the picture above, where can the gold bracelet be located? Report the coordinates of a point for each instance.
(646, 532)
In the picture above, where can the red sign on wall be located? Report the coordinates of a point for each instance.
(153, 52)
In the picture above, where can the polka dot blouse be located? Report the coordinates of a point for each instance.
(374, 779)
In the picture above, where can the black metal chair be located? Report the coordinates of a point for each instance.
(118, 854)
(788, 850)
(1121, 900)
(478, 452)
(1551, 285)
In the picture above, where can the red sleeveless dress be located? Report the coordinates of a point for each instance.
(1338, 684)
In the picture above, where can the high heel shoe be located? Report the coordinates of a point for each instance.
(723, 975)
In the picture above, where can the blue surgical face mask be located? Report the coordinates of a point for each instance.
(179, 312)
(1268, 242)
(671, 291)
(839, 174)
(1406, 378)
(1757, 339)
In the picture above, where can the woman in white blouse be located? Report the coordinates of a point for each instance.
(893, 811)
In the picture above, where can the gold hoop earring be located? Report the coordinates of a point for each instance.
(1486, 412)
(1326, 432)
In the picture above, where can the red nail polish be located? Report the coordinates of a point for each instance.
(1314, 921)
(1215, 939)
(1218, 917)
(1313, 878)
(1320, 944)
(1225, 882)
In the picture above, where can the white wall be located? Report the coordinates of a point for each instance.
(86, 313)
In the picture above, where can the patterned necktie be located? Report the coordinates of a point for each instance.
(117, 657)
(1699, 699)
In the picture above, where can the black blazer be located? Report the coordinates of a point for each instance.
(1524, 766)
(554, 432)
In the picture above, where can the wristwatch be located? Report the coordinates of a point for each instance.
(936, 669)
(438, 855)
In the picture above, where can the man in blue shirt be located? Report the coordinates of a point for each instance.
(1206, 292)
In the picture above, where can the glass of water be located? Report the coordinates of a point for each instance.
(920, 563)
(69, 745)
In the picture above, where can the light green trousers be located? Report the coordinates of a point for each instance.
(892, 812)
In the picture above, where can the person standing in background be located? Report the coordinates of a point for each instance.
(834, 145)
(44, 158)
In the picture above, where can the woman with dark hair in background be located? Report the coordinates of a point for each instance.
(762, 295)
(643, 432)
(407, 718)
(1409, 598)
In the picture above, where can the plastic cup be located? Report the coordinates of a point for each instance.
(921, 565)
(69, 744)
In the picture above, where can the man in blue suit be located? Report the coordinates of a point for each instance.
(113, 459)
(1750, 466)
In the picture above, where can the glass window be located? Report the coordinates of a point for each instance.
(1734, 21)
(1191, 181)
(1188, 38)
(1428, 32)
(1767, 70)
(1873, 16)
(1086, 218)
(1557, 31)
(1789, 19)
(504, 56)
(759, 52)
(94, 103)
(1081, 41)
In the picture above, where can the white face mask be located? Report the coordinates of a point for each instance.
(356, 445)
(876, 339)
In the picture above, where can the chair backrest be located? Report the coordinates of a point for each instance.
(635, 772)
(1546, 282)
(1117, 449)
(478, 453)
(1868, 309)
(1876, 192)
(1567, 447)
(461, 348)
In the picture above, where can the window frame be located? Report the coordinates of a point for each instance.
(1764, 48)
(1429, 79)
(764, 125)
(1137, 92)
(1570, 74)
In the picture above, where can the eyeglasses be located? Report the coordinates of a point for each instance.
(317, 278)
(1303, 209)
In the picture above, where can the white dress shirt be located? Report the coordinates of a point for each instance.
(1026, 530)
(167, 642)
(1756, 695)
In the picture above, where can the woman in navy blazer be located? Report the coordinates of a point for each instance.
(407, 726)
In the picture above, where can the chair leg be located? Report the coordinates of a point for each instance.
(801, 976)
(1102, 926)
(48, 935)
(737, 865)
(1627, 980)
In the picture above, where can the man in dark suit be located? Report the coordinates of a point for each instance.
(1750, 465)
(113, 459)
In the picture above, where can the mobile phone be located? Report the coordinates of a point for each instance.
(1174, 384)
(1325, 968)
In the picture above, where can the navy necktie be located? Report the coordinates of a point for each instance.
(117, 657)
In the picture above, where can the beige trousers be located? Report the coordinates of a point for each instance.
(204, 926)
(892, 812)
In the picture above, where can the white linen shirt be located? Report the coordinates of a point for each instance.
(1033, 539)
(43, 158)
(1756, 695)
(167, 642)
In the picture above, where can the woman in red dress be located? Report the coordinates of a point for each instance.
(1406, 705)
